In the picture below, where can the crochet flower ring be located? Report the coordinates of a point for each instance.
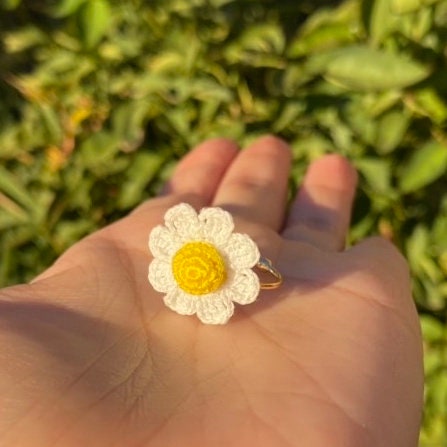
(202, 266)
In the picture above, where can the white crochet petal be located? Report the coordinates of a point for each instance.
(160, 275)
(181, 302)
(214, 308)
(182, 221)
(244, 287)
(213, 225)
(241, 251)
(162, 243)
(216, 225)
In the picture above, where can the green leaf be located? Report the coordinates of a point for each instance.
(391, 130)
(362, 228)
(94, 21)
(439, 233)
(378, 103)
(65, 8)
(378, 19)
(98, 149)
(311, 146)
(433, 361)
(439, 396)
(142, 171)
(10, 220)
(23, 39)
(433, 298)
(432, 270)
(425, 166)
(264, 38)
(321, 39)
(258, 46)
(417, 246)
(11, 4)
(429, 103)
(357, 115)
(416, 24)
(405, 6)
(290, 112)
(432, 329)
(376, 172)
(51, 123)
(12, 187)
(127, 123)
(366, 69)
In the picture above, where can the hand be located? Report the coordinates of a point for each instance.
(90, 356)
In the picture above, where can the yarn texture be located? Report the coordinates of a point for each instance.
(201, 265)
(199, 268)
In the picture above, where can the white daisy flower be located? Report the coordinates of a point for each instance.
(201, 265)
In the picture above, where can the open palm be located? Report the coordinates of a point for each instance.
(90, 356)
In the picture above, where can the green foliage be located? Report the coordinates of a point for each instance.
(101, 97)
(361, 68)
(425, 166)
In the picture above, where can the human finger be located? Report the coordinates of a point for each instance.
(194, 181)
(198, 174)
(201, 170)
(321, 212)
(255, 185)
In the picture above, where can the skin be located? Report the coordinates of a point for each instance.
(90, 355)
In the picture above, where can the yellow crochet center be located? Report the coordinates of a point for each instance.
(199, 268)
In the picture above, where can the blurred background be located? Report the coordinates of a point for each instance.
(100, 98)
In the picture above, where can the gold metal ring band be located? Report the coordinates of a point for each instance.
(266, 265)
